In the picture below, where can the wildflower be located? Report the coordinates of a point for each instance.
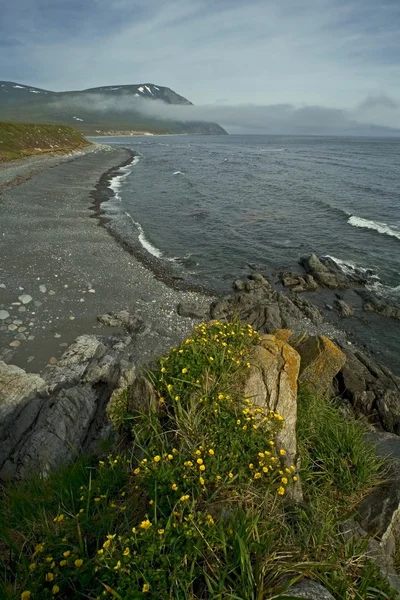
(67, 553)
(271, 443)
(244, 427)
(230, 475)
(97, 499)
(78, 563)
(49, 577)
(248, 365)
(281, 491)
(151, 502)
(177, 398)
(144, 461)
(170, 456)
(295, 478)
(101, 463)
(26, 595)
(157, 458)
(197, 453)
(261, 454)
(257, 475)
(265, 469)
(174, 487)
(32, 566)
(161, 400)
(184, 370)
(145, 524)
(184, 498)
(284, 480)
(292, 468)
(145, 588)
(117, 566)
(174, 451)
(282, 452)
(180, 351)
(220, 396)
(255, 426)
(199, 461)
(251, 466)
(211, 452)
(111, 537)
(169, 387)
(188, 463)
(202, 482)
(55, 589)
(64, 562)
(134, 530)
(238, 422)
(202, 468)
(160, 531)
(58, 519)
(163, 370)
(218, 478)
(136, 471)
(106, 544)
(210, 520)
(101, 551)
(211, 358)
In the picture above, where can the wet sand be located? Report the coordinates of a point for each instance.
(54, 249)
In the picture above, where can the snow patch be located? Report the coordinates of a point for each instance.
(77, 119)
(148, 89)
(141, 89)
(20, 87)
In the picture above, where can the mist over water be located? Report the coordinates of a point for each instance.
(215, 204)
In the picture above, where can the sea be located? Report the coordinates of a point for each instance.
(208, 208)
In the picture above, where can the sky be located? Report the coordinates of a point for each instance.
(337, 56)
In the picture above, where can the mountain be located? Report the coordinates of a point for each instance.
(95, 111)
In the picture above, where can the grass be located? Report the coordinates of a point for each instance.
(19, 140)
(196, 506)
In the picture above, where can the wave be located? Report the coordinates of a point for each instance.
(375, 225)
(178, 173)
(143, 240)
(350, 268)
(123, 172)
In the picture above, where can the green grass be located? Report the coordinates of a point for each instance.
(197, 504)
(18, 140)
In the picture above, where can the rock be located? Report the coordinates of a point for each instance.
(321, 273)
(283, 334)
(238, 285)
(51, 293)
(17, 322)
(37, 303)
(4, 314)
(25, 298)
(20, 336)
(43, 289)
(371, 389)
(83, 349)
(272, 384)
(3, 286)
(16, 386)
(321, 360)
(15, 344)
(22, 329)
(141, 397)
(344, 309)
(30, 359)
(298, 282)
(386, 306)
(124, 319)
(193, 309)
(12, 327)
(309, 590)
(53, 360)
(57, 335)
(22, 309)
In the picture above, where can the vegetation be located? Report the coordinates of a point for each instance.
(196, 503)
(18, 140)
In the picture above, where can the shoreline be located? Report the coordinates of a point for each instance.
(73, 270)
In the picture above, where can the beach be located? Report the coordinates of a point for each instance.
(60, 268)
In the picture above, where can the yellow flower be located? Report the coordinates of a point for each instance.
(97, 499)
(26, 595)
(199, 461)
(58, 519)
(184, 498)
(282, 452)
(201, 481)
(169, 387)
(221, 396)
(101, 551)
(67, 553)
(170, 456)
(284, 480)
(292, 468)
(295, 478)
(55, 589)
(177, 398)
(244, 427)
(49, 577)
(197, 453)
(126, 552)
(160, 531)
(251, 466)
(134, 530)
(281, 491)
(211, 358)
(174, 451)
(180, 351)
(117, 566)
(184, 370)
(78, 563)
(161, 400)
(163, 370)
(202, 468)
(145, 524)
(210, 520)
(211, 452)
(230, 475)
(106, 544)
(64, 562)
(261, 454)
(32, 566)
(188, 463)
(265, 469)
(145, 588)
(157, 458)
(136, 471)
(174, 487)
(238, 422)
(271, 443)
(257, 475)
(218, 477)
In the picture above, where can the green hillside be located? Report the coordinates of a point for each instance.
(18, 140)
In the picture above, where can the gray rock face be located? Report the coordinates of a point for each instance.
(122, 319)
(44, 422)
(372, 389)
(310, 590)
(344, 309)
(322, 274)
(194, 310)
(299, 283)
(388, 307)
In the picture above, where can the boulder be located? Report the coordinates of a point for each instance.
(271, 383)
(344, 309)
(321, 360)
(321, 273)
(309, 590)
(283, 334)
(299, 283)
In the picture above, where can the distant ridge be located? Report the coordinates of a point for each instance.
(25, 103)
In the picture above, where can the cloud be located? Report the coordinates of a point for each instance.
(380, 101)
(273, 118)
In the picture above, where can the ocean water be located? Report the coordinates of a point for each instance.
(208, 206)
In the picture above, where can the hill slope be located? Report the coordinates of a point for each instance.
(18, 140)
(101, 110)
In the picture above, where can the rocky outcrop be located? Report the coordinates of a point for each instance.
(385, 306)
(372, 389)
(321, 360)
(325, 276)
(344, 309)
(52, 419)
(299, 283)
